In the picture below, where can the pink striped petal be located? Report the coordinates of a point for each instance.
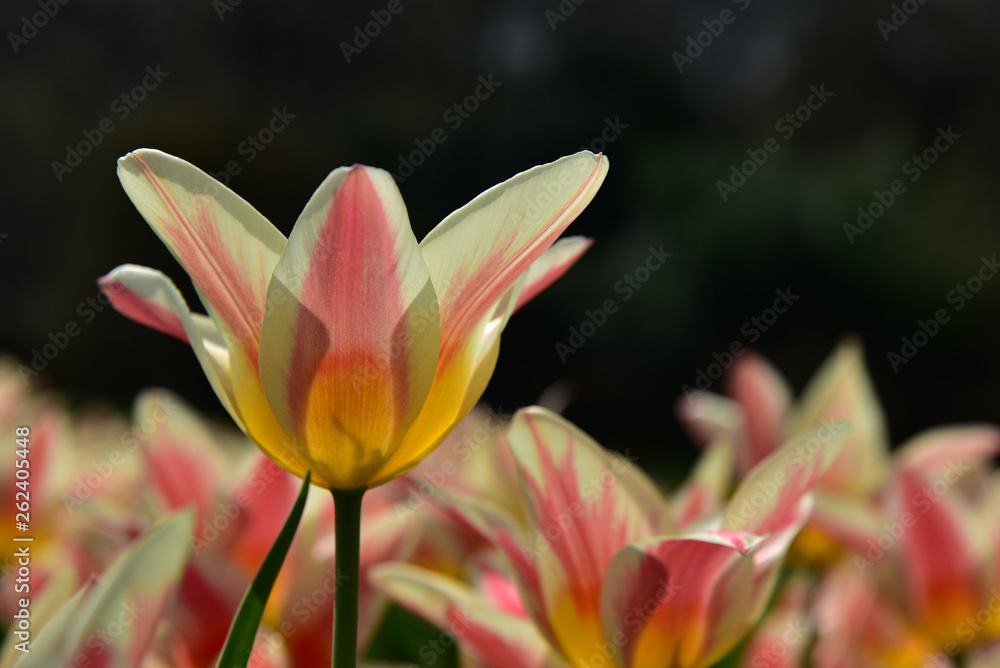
(784, 636)
(161, 297)
(112, 621)
(678, 601)
(458, 385)
(767, 499)
(491, 638)
(349, 346)
(477, 258)
(940, 576)
(581, 512)
(229, 250)
(774, 500)
(550, 266)
(706, 488)
(229, 369)
(933, 452)
(226, 247)
(477, 253)
(764, 397)
(842, 390)
(155, 311)
(519, 550)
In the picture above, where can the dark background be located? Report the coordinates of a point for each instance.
(230, 65)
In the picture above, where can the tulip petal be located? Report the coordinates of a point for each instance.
(774, 500)
(180, 463)
(135, 587)
(230, 251)
(708, 417)
(349, 347)
(552, 264)
(678, 601)
(493, 639)
(477, 258)
(764, 396)
(935, 451)
(784, 636)
(223, 243)
(842, 390)
(705, 490)
(150, 298)
(227, 369)
(494, 523)
(939, 570)
(155, 310)
(476, 253)
(582, 513)
(767, 497)
(456, 389)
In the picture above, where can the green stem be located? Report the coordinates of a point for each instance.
(347, 566)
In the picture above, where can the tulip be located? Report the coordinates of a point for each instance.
(348, 341)
(598, 573)
(758, 415)
(112, 620)
(348, 349)
(924, 591)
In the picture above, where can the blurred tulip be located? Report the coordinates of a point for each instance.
(241, 499)
(77, 521)
(759, 415)
(925, 591)
(596, 570)
(784, 636)
(110, 623)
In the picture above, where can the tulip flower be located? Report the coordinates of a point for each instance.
(348, 350)
(597, 573)
(925, 590)
(349, 341)
(758, 415)
(77, 523)
(474, 462)
(785, 634)
(112, 621)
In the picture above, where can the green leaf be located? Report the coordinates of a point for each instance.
(239, 642)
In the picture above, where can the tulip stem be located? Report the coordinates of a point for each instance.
(347, 566)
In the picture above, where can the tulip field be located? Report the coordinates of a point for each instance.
(503, 335)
